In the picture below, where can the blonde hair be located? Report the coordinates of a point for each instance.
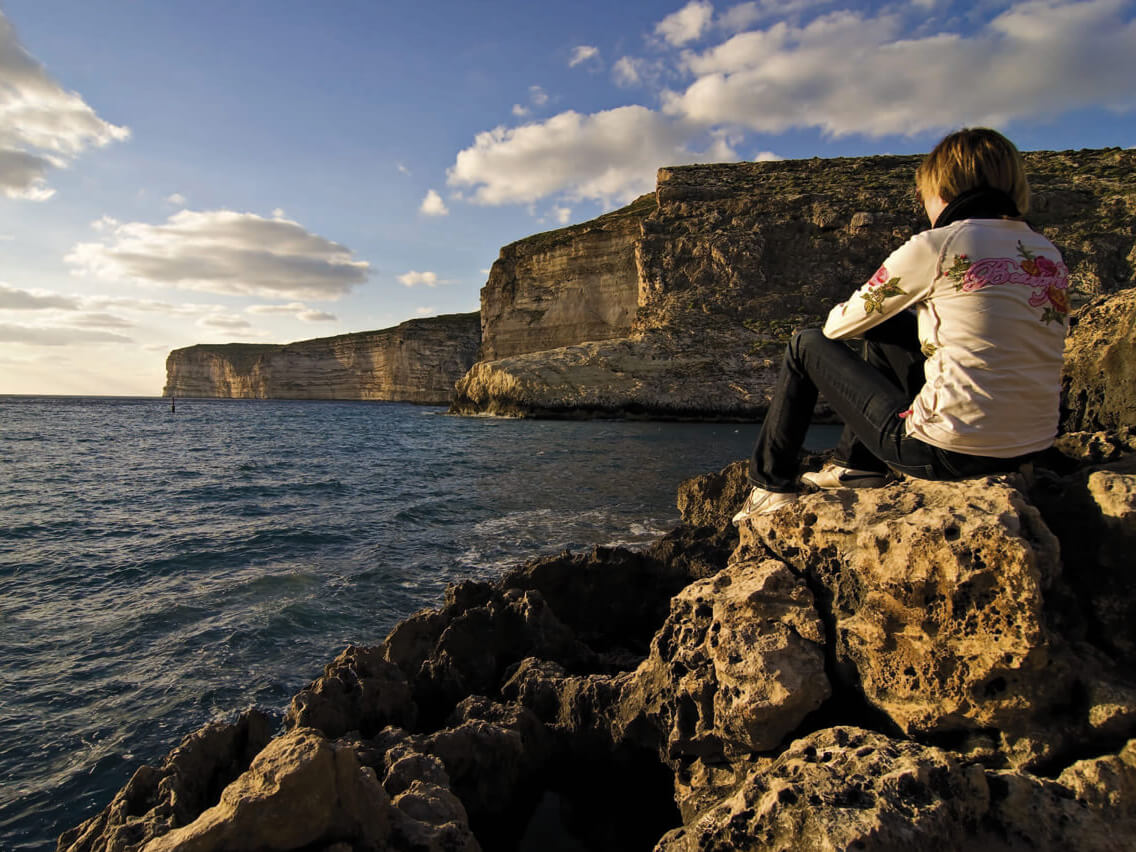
(974, 158)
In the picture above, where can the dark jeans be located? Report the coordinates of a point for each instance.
(868, 393)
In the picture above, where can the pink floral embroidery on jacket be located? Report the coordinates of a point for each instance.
(1048, 280)
(880, 277)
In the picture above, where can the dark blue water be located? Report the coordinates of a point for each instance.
(159, 570)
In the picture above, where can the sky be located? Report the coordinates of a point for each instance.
(267, 171)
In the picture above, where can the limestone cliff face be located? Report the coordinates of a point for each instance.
(417, 361)
(732, 259)
(562, 287)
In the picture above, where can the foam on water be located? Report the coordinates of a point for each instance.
(158, 571)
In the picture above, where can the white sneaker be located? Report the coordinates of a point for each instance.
(762, 502)
(838, 476)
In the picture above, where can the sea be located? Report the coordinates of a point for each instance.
(162, 569)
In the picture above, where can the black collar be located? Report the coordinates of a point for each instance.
(982, 203)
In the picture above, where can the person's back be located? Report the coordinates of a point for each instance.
(992, 326)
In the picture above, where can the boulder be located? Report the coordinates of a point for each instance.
(301, 791)
(1099, 376)
(712, 498)
(1107, 784)
(493, 755)
(190, 780)
(359, 691)
(936, 598)
(465, 649)
(1093, 512)
(735, 668)
(588, 593)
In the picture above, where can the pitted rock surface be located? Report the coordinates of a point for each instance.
(1099, 376)
(737, 665)
(848, 788)
(937, 595)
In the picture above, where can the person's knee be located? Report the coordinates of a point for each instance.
(802, 341)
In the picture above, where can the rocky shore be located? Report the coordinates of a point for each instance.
(927, 665)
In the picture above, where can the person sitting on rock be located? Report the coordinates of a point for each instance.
(963, 327)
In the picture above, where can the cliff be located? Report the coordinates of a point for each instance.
(417, 361)
(728, 261)
(933, 665)
(561, 287)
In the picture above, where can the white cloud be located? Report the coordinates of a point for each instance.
(148, 306)
(12, 299)
(415, 279)
(687, 24)
(538, 97)
(177, 199)
(22, 174)
(97, 320)
(767, 157)
(743, 15)
(849, 73)
(563, 214)
(48, 336)
(426, 311)
(737, 18)
(583, 53)
(295, 309)
(402, 168)
(42, 126)
(225, 322)
(626, 71)
(604, 156)
(221, 251)
(631, 71)
(278, 213)
(433, 205)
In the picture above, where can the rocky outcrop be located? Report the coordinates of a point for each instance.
(1099, 377)
(417, 361)
(729, 262)
(658, 375)
(915, 665)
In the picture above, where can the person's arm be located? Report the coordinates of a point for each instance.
(904, 280)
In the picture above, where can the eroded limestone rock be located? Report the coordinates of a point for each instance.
(1093, 512)
(157, 800)
(359, 691)
(737, 665)
(848, 788)
(936, 596)
(301, 790)
(1099, 376)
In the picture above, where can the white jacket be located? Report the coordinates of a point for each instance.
(990, 297)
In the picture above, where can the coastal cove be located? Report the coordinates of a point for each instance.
(159, 570)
